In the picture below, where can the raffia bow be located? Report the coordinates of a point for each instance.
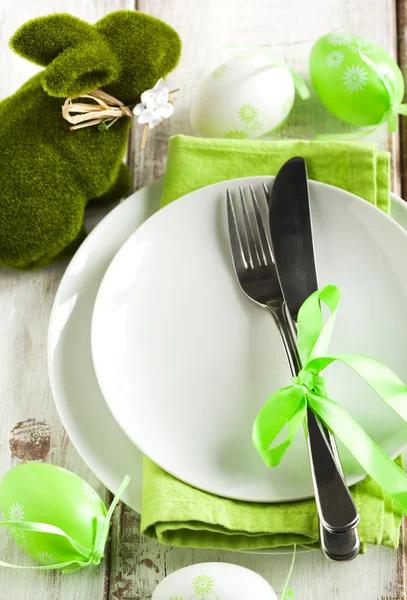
(105, 109)
(104, 112)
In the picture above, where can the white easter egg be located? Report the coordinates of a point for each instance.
(244, 98)
(214, 581)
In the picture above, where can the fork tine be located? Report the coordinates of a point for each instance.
(254, 258)
(265, 245)
(236, 245)
(266, 195)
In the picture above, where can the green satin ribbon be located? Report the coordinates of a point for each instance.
(287, 591)
(288, 406)
(91, 556)
(391, 115)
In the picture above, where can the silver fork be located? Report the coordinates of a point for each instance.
(257, 276)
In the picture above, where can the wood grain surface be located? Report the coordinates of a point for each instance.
(29, 425)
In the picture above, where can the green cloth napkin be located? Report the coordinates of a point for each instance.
(180, 515)
(353, 166)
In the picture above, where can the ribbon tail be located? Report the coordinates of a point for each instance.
(392, 122)
(400, 109)
(288, 592)
(287, 405)
(372, 459)
(46, 528)
(64, 565)
(102, 527)
(379, 377)
(313, 334)
(392, 116)
(300, 86)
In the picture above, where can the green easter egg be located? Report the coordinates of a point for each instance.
(348, 74)
(48, 494)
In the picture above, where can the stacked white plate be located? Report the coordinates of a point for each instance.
(154, 349)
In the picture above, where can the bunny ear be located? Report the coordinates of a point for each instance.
(80, 69)
(42, 39)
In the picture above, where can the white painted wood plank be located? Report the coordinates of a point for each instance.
(26, 300)
(288, 29)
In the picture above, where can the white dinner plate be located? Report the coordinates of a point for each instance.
(83, 411)
(185, 361)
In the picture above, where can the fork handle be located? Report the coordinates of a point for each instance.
(336, 509)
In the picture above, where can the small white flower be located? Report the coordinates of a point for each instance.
(46, 558)
(154, 106)
(340, 39)
(354, 79)
(335, 58)
(89, 492)
(16, 512)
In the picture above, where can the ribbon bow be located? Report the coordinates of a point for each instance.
(395, 108)
(91, 556)
(288, 406)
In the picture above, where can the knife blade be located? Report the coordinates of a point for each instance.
(292, 243)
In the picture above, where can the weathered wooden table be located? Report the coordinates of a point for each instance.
(29, 425)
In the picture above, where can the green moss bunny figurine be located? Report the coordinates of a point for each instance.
(49, 174)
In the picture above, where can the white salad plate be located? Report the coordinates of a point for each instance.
(185, 361)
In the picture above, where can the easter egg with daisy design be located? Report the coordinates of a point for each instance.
(214, 581)
(245, 97)
(356, 80)
(44, 493)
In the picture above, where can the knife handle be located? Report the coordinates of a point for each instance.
(336, 509)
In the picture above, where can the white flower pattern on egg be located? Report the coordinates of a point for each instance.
(354, 79)
(363, 46)
(47, 558)
(340, 39)
(334, 58)
(89, 492)
(16, 512)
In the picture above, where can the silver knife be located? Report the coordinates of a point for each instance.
(291, 235)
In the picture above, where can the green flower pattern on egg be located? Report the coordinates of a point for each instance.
(236, 134)
(203, 584)
(203, 588)
(248, 113)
